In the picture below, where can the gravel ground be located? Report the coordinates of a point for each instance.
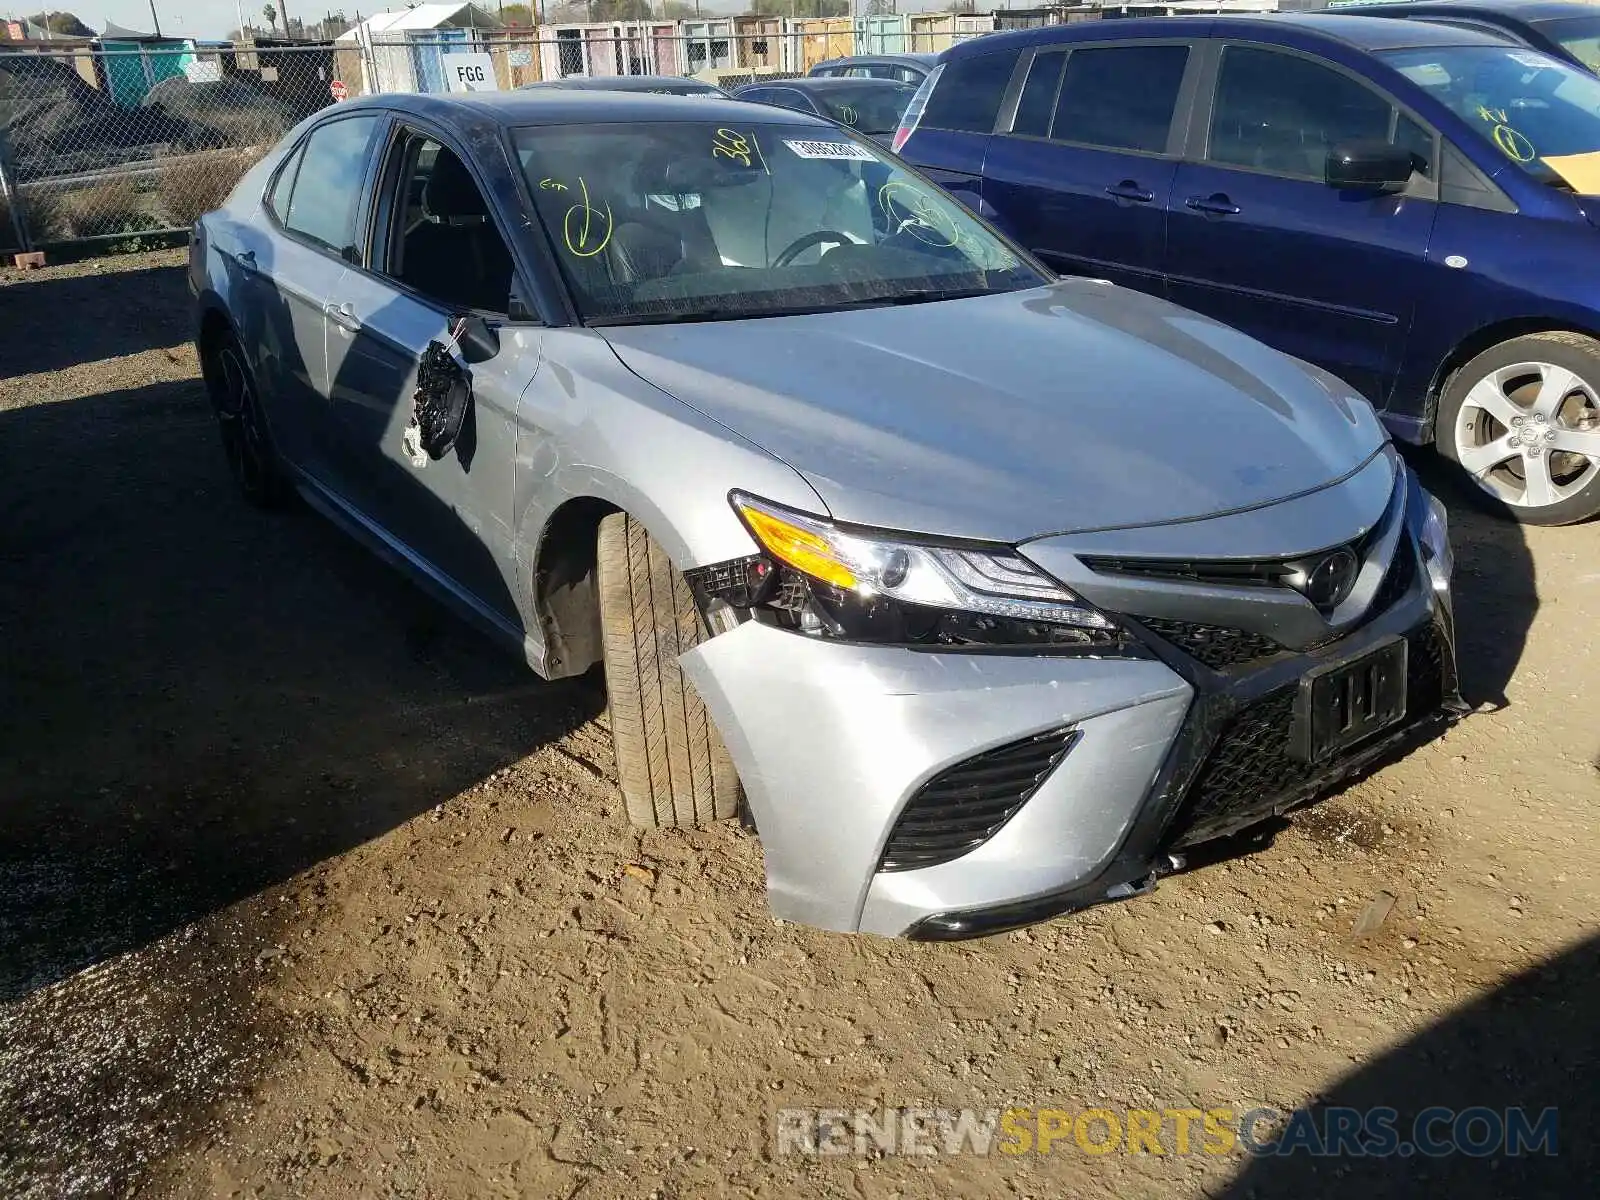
(305, 892)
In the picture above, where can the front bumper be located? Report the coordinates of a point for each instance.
(837, 744)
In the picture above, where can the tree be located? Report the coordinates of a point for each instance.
(270, 12)
(517, 14)
(65, 23)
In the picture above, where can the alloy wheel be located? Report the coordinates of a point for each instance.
(1529, 434)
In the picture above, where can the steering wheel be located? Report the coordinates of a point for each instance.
(819, 237)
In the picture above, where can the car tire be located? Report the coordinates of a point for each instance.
(1505, 417)
(246, 441)
(671, 763)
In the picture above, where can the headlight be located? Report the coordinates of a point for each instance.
(1435, 539)
(819, 579)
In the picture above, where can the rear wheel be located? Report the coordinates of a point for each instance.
(1522, 420)
(672, 765)
(252, 460)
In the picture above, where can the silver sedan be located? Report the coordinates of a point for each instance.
(981, 594)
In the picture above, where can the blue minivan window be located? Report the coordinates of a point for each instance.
(1541, 114)
(1283, 113)
(1120, 97)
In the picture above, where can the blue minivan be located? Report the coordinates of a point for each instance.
(1411, 206)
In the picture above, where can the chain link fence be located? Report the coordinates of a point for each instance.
(112, 145)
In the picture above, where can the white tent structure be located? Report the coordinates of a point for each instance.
(403, 51)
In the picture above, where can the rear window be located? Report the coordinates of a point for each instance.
(968, 94)
(1120, 97)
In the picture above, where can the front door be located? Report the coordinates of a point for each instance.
(1256, 237)
(440, 255)
(1083, 175)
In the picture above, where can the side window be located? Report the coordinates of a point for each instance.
(754, 96)
(1038, 102)
(443, 243)
(1120, 97)
(906, 75)
(789, 98)
(1282, 113)
(278, 200)
(326, 194)
(1409, 135)
(968, 94)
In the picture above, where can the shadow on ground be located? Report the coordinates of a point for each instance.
(1528, 1044)
(45, 324)
(203, 700)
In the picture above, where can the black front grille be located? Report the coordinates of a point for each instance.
(964, 806)
(1250, 770)
(1215, 645)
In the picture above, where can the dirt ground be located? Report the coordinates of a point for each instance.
(305, 892)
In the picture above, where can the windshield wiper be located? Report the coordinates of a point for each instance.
(723, 313)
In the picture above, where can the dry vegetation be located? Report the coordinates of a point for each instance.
(197, 183)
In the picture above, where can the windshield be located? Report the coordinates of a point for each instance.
(1541, 114)
(869, 107)
(1578, 36)
(700, 221)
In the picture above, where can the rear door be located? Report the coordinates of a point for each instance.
(438, 252)
(290, 266)
(1083, 167)
(1256, 237)
(963, 99)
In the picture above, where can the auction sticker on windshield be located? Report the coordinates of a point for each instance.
(842, 151)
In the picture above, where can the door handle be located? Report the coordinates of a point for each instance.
(1217, 204)
(1129, 190)
(343, 316)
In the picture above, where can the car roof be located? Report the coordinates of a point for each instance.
(921, 60)
(1521, 10)
(831, 83)
(617, 83)
(1356, 32)
(464, 112)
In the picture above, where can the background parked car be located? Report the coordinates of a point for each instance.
(1406, 204)
(666, 85)
(1569, 31)
(872, 106)
(901, 68)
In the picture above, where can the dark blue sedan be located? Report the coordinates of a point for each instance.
(1562, 28)
(1412, 206)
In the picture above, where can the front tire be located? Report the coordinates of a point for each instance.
(671, 763)
(1522, 421)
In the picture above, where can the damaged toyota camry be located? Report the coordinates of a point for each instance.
(980, 594)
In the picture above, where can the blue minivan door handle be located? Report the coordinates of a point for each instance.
(1130, 190)
(1216, 204)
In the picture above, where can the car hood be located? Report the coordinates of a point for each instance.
(1059, 409)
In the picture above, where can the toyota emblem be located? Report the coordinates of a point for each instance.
(1328, 581)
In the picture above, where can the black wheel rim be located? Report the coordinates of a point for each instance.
(239, 416)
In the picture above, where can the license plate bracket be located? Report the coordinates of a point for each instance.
(1346, 702)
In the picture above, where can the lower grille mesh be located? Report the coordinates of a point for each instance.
(1218, 646)
(1250, 770)
(964, 806)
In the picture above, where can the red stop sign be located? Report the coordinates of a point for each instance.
(338, 89)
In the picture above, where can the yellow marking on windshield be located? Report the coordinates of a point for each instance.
(1514, 145)
(732, 145)
(550, 185)
(578, 242)
(924, 216)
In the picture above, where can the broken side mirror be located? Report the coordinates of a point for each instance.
(479, 340)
